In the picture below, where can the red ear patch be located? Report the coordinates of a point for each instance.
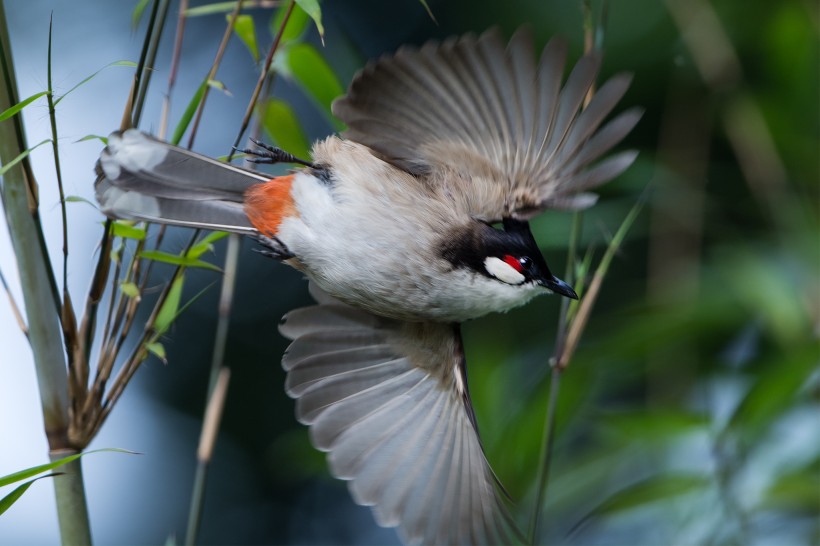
(513, 262)
(269, 203)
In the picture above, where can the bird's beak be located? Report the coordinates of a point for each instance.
(559, 287)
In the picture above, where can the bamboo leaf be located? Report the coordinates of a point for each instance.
(174, 259)
(429, 11)
(297, 23)
(170, 307)
(219, 86)
(39, 469)
(244, 29)
(116, 253)
(210, 9)
(284, 129)
(649, 491)
(311, 7)
(308, 68)
(5, 168)
(121, 228)
(102, 139)
(115, 63)
(188, 115)
(9, 112)
(130, 289)
(136, 15)
(78, 199)
(11, 498)
(157, 349)
(206, 244)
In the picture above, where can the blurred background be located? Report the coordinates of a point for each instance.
(689, 414)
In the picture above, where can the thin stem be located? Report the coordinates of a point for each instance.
(207, 441)
(134, 107)
(172, 73)
(214, 67)
(542, 481)
(15, 310)
(263, 77)
(218, 380)
(56, 151)
(151, 55)
(547, 440)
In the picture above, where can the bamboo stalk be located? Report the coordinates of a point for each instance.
(19, 190)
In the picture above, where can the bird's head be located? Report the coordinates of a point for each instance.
(509, 256)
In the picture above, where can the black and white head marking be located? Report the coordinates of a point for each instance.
(509, 255)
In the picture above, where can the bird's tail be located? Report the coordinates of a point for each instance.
(141, 178)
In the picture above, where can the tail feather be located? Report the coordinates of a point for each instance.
(141, 178)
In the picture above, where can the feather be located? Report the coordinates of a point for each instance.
(141, 178)
(487, 111)
(380, 397)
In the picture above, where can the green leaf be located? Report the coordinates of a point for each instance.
(649, 491)
(795, 490)
(311, 7)
(219, 86)
(11, 498)
(210, 9)
(284, 129)
(188, 115)
(297, 23)
(102, 139)
(131, 64)
(157, 349)
(39, 469)
(776, 388)
(10, 111)
(126, 230)
(244, 29)
(136, 15)
(206, 244)
(170, 307)
(308, 68)
(116, 253)
(78, 199)
(174, 259)
(130, 289)
(5, 168)
(429, 11)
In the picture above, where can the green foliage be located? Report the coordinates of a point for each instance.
(311, 7)
(188, 114)
(306, 66)
(244, 29)
(8, 500)
(8, 112)
(5, 168)
(283, 127)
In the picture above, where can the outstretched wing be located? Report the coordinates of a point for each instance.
(492, 114)
(388, 401)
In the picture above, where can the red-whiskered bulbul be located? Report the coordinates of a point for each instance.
(394, 226)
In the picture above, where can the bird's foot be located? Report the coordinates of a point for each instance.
(273, 248)
(271, 155)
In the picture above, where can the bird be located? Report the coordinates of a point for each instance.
(412, 221)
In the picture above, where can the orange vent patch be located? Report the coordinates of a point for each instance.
(269, 203)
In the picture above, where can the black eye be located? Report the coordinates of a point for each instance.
(526, 263)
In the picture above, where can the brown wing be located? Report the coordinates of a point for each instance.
(387, 400)
(495, 116)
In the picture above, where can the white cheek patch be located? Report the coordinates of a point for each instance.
(503, 271)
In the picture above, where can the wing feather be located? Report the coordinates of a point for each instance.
(493, 115)
(381, 397)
